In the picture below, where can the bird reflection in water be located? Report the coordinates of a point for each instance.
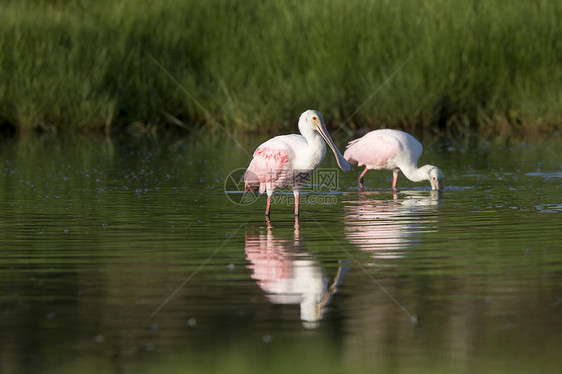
(288, 274)
(386, 227)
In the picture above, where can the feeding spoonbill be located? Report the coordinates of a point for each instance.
(392, 150)
(289, 160)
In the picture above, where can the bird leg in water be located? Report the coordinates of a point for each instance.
(268, 206)
(360, 179)
(395, 178)
(296, 193)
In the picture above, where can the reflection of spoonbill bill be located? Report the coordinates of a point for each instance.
(289, 160)
(392, 150)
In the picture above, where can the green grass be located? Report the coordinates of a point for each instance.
(254, 65)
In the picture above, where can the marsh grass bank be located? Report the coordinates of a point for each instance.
(85, 65)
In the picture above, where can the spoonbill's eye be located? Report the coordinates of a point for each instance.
(314, 118)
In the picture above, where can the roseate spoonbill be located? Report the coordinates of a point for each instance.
(289, 160)
(392, 150)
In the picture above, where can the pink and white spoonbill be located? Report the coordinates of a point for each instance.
(392, 150)
(289, 160)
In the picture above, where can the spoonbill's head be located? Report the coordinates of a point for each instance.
(313, 120)
(435, 178)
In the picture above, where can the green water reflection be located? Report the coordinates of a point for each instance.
(125, 254)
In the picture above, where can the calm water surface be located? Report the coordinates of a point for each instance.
(127, 255)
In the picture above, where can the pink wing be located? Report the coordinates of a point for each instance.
(375, 149)
(268, 167)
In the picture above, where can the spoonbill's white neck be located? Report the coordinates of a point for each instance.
(415, 174)
(313, 138)
(315, 149)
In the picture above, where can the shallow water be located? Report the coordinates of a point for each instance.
(126, 255)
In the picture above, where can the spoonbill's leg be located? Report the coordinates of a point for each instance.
(268, 206)
(268, 222)
(360, 179)
(395, 178)
(296, 193)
